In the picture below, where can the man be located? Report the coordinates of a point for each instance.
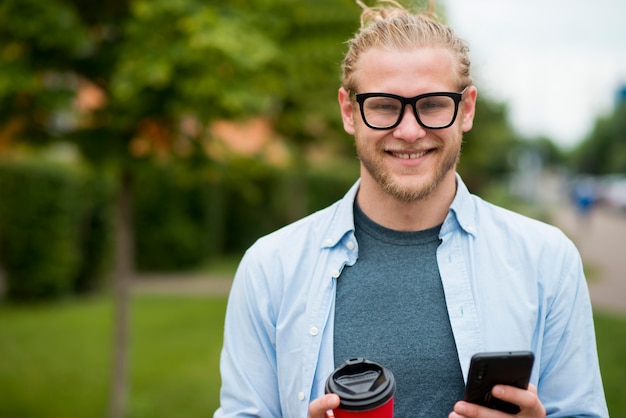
(409, 269)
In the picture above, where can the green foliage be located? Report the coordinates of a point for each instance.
(327, 186)
(551, 154)
(217, 60)
(57, 235)
(40, 42)
(254, 202)
(488, 146)
(54, 229)
(167, 60)
(604, 151)
(187, 214)
(312, 35)
(38, 229)
(53, 31)
(192, 57)
(173, 227)
(163, 63)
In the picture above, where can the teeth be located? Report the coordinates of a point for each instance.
(408, 156)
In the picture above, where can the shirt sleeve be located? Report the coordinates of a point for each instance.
(569, 382)
(248, 358)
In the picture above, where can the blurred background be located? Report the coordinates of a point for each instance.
(145, 144)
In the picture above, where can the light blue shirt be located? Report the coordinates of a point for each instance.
(510, 282)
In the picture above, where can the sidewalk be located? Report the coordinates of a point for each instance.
(182, 284)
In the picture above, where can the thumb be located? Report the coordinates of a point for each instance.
(319, 406)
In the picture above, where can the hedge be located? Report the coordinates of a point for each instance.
(171, 216)
(186, 214)
(56, 221)
(54, 228)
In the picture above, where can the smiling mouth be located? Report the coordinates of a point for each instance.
(408, 155)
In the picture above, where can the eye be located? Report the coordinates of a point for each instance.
(382, 105)
(434, 104)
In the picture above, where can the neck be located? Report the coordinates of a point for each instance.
(392, 213)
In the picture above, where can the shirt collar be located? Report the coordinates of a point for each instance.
(462, 214)
(462, 210)
(343, 219)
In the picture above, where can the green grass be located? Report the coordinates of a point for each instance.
(175, 354)
(55, 358)
(611, 339)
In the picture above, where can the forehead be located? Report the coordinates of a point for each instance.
(406, 71)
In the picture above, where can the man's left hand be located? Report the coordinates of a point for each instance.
(527, 400)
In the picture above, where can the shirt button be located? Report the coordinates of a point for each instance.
(314, 331)
(329, 241)
(335, 274)
(351, 245)
(301, 396)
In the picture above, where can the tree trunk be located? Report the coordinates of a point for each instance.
(122, 278)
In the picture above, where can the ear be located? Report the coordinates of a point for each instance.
(468, 108)
(347, 110)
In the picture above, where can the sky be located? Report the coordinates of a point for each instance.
(558, 64)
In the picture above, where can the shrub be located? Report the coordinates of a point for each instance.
(38, 228)
(255, 202)
(325, 187)
(171, 216)
(54, 232)
(185, 213)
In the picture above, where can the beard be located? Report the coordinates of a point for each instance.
(416, 186)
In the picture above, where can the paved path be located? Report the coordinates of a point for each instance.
(182, 284)
(601, 242)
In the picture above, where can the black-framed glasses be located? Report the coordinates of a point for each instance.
(432, 110)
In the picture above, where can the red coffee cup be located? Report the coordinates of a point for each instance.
(365, 388)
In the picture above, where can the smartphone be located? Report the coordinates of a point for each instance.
(486, 370)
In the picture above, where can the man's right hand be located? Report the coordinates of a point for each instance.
(318, 407)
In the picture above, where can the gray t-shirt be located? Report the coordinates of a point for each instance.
(390, 308)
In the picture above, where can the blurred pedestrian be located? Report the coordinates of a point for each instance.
(584, 196)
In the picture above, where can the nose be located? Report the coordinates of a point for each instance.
(409, 128)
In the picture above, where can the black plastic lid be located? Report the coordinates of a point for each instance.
(361, 384)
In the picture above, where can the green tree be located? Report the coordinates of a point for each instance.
(487, 147)
(604, 150)
(153, 61)
(158, 64)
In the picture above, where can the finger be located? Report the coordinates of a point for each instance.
(512, 394)
(527, 400)
(464, 409)
(319, 406)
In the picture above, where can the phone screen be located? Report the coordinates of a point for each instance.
(512, 368)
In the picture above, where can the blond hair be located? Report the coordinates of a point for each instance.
(393, 27)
